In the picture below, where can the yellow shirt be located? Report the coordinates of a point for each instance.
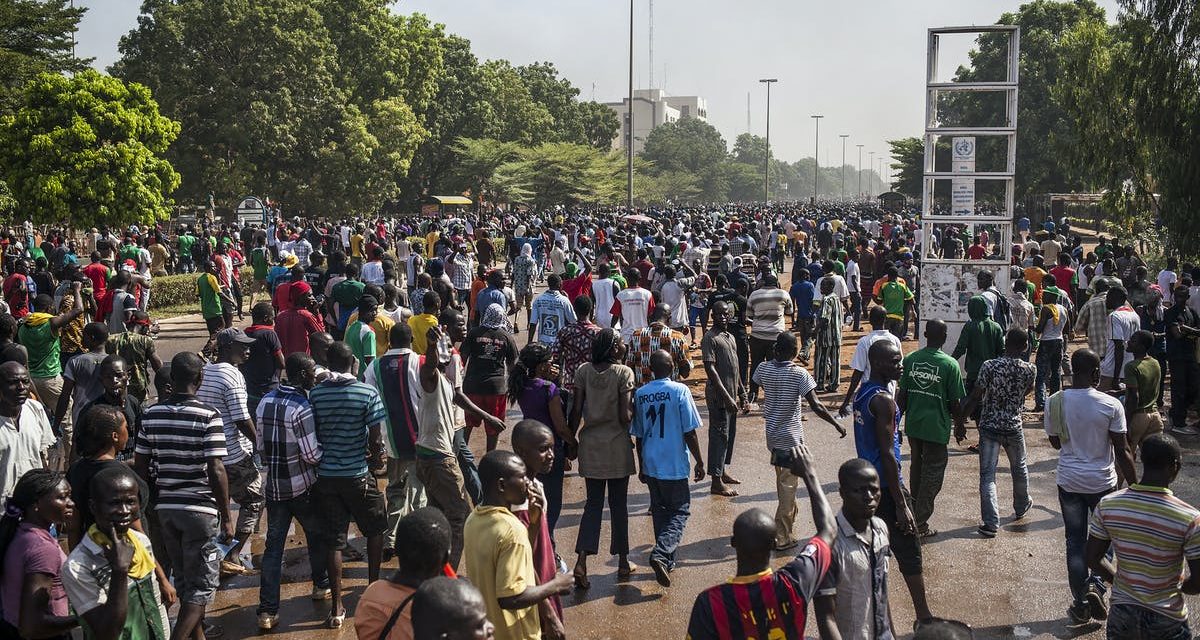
(383, 330)
(356, 246)
(420, 327)
(431, 239)
(499, 560)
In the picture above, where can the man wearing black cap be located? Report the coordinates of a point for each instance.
(224, 389)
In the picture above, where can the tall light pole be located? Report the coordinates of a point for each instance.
(871, 178)
(767, 155)
(816, 153)
(859, 169)
(843, 136)
(629, 140)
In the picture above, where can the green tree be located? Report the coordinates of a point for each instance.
(88, 151)
(476, 162)
(600, 124)
(558, 96)
(750, 149)
(688, 144)
(280, 113)
(1045, 132)
(908, 158)
(518, 117)
(35, 37)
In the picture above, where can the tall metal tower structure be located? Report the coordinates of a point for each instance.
(650, 56)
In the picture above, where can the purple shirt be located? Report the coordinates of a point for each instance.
(32, 551)
(535, 401)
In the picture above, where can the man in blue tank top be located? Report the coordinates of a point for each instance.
(877, 440)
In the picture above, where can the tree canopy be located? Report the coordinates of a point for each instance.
(87, 150)
(35, 37)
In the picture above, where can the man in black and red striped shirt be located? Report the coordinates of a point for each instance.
(759, 602)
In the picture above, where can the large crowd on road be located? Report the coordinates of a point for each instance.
(377, 349)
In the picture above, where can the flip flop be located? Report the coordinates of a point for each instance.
(335, 621)
(581, 580)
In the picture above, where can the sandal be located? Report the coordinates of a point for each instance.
(334, 621)
(581, 579)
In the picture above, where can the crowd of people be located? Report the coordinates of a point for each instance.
(374, 352)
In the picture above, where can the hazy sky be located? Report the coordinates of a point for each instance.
(860, 63)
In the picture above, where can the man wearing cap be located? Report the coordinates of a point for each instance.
(297, 323)
(223, 387)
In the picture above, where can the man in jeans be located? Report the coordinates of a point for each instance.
(224, 389)
(1088, 428)
(193, 494)
(1000, 391)
(665, 420)
(1152, 533)
(931, 387)
(718, 350)
(291, 453)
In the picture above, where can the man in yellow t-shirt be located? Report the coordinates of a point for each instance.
(497, 551)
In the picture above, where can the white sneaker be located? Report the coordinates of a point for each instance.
(321, 594)
(267, 621)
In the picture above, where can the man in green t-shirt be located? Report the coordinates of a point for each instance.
(897, 300)
(184, 244)
(208, 288)
(930, 390)
(38, 332)
(345, 295)
(360, 336)
(260, 262)
(1143, 375)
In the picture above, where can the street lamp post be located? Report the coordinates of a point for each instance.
(816, 153)
(859, 169)
(629, 140)
(871, 178)
(767, 155)
(843, 136)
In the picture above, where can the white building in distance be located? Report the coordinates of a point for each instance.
(653, 108)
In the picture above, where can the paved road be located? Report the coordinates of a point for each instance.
(1013, 586)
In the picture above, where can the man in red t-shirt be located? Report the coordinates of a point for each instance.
(1064, 275)
(16, 289)
(759, 602)
(977, 250)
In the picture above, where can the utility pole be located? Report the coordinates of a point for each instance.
(650, 56)
(816, 154)
(859, 169)
(871, 178)
(767, 155)
(747, 112)
(629, 140)
(843, 136)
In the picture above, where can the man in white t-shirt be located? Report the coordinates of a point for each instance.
(854, 283)
(1123, 322)
(1087, 426)
(860, 363)
(633, 306)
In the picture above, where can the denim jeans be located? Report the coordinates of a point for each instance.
(1130, 622)
(552, 483)
(279, 520)
(722, 427)
(989, 455)
(466, 464)
(670, 505)
(1049, 368)
(588, 540)
(1076, 512)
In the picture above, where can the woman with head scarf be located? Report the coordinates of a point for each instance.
(489, 351)
(604, 404)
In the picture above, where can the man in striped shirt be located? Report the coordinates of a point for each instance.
(1152, 534)
(767, 308)
(224, 389)
(290, 453)
(183, 440)
(350, 419)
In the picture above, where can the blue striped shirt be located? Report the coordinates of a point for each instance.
(345, 410)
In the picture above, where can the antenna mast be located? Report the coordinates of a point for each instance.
(651, 34)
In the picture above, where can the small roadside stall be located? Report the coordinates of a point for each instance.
(444, 206)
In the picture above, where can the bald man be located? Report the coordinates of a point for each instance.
(777, 600)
